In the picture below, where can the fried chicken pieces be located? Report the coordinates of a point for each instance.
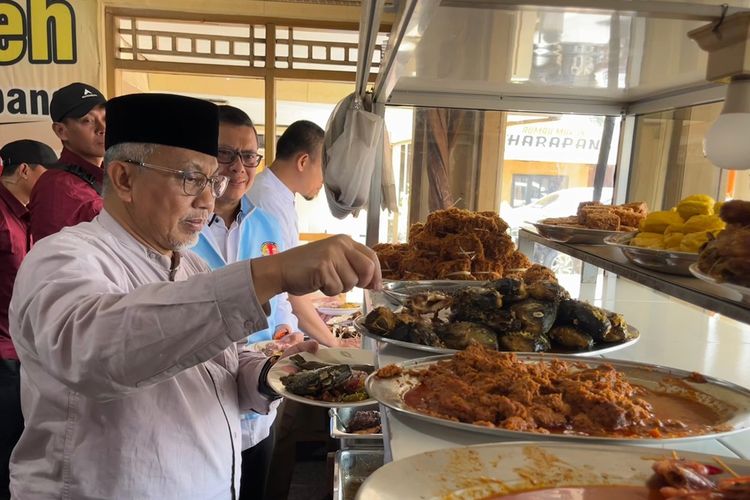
(595, 215)
(453, 244)
(727, 257)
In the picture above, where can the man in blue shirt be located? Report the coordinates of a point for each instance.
(239, 231)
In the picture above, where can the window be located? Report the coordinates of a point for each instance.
(531, 188)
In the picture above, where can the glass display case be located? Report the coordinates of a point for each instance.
(527, 108)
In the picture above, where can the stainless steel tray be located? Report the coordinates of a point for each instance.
(740, 293)
(350, 470)
(340, 417)
(730, 400)
(601, 348)
(665, 261)
(567, 234)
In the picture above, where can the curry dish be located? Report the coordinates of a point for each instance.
(495, 389)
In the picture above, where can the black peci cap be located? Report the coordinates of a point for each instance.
(26, 151)
(74, 101)
(166, 119)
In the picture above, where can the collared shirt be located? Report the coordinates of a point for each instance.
(131, 386)
(225, 238)
(14, 244)
(60, 199)
(273, 196)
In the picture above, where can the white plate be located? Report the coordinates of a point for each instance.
(567, 234)
(599, 348)
(338, 311)
(726, 398)
(258, 346)
(739, 292)
(476, 472)
(333, 355)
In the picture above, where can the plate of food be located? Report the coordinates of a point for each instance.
(331, 377)
(554, 471)
(592, 223)
(738, 292)
(503, 315)
(573, 234)
(663, 260)
(453, 244)
(269, 347)
(358, 423)
(344, 309)
(534, 396)
(724, 260)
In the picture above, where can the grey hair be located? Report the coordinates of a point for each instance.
(126, 151)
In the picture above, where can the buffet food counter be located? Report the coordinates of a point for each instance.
(679, 335)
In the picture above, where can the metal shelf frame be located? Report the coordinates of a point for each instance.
(689, 289)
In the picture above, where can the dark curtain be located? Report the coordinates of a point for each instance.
(443, 127)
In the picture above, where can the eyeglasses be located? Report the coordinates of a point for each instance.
(248, 159)
(193, 183)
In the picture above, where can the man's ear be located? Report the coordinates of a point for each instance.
(302, 160)
(121, 176)
(60, 130)
(23, 171)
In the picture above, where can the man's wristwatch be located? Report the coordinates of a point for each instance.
(263, 386)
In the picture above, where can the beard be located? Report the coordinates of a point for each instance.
(181, 246)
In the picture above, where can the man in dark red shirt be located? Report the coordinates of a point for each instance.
(71, 192)
(23, 164)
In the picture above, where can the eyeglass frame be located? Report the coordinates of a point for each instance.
(236, 153)
(212, 179)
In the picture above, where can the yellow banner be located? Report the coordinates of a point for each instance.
(44, 45)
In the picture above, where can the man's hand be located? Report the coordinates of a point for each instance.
(289, 340)
(333, 265)
(307, 346)
(353, 342)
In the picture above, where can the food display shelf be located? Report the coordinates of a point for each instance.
(611, 259)
(673, 334)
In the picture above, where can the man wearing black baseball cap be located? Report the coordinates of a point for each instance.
(23, 162)
(71, 193)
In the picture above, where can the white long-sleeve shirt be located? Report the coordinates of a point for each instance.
(273, 196)
(131, 385)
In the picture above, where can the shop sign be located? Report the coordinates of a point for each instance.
(44, 45)
(570, 139)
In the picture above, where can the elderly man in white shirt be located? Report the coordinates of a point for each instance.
(132, 384)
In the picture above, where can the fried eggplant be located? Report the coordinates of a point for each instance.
(459, 334)
(571, 338)
(536, 317)
(381, 321)
(523, 342)
(585, 317)
(312, 382)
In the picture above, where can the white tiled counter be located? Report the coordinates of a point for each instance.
(673, 333)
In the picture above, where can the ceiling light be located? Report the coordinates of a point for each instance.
(727, 41)
(726, 143)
